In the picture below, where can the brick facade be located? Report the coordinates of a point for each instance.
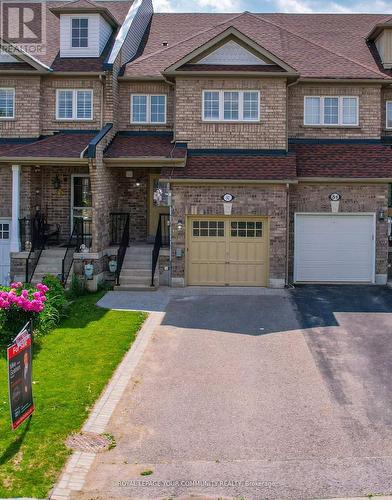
(28, 106)
(49, 87)
(5, 190)
(269, 133)
(356, 198)
(124, 111)
(268, 200)
(369, 111)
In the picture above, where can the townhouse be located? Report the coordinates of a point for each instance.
(197, 149)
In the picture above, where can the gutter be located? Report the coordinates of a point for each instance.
(146, 161)
(226, 181)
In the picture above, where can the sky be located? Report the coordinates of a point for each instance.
(296, 6)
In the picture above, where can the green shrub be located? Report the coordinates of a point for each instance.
(78, 287)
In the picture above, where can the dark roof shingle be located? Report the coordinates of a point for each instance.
(131, 146)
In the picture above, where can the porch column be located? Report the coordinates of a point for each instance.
(15, 240)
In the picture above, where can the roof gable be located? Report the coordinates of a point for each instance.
(231, 40)
(231, 53)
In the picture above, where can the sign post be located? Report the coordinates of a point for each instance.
(19, 357)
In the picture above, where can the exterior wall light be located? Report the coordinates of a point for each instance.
(381, 214)
(180, 225)
(56, 183)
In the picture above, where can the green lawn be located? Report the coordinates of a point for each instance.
(71, 367)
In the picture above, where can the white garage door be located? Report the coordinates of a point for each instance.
(5, 239)
(335, 247)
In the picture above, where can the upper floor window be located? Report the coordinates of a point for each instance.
(74, 105)
(147, 108)
(331, 111)
(7, 103)
(234, 105)
(389, 114)
(79, 35)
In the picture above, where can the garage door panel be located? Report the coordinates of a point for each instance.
(334, 248)
(231, 251)
(5, 241)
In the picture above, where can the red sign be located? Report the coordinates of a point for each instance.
(19, 356)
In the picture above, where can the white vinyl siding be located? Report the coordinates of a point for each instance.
(7, 103)
(98, 30)
(148, 109)
(388, 111)
(74, 104)
(331, 110)
(334, 247)
(232, 53)
(8, 58)
(231, 105)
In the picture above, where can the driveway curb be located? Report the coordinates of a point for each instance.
(74, 474)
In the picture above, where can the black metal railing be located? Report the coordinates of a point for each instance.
(84, 232)
(124, 242)
(162, 238)
(38, 241)
(117, 225)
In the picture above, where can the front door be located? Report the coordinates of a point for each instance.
(227, 251)
(158, 203)
(5, 245)
(81, 205)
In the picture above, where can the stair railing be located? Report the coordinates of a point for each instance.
(124, 242)
(161, 239)
(72, 243)
(38, 242)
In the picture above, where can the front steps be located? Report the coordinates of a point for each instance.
(50, 262)
(136, 269)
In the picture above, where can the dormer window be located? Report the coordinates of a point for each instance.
(79, 32)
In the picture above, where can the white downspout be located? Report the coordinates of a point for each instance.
(15, 240)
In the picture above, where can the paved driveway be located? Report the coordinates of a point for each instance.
(290, 390)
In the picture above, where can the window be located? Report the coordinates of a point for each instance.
(148, 108)
(231, 106)
(246, 229)
(327, 110)
(389, 114)
(79, 35)
(208, 228)
(4, 231)
(7, 103)
(74, 105)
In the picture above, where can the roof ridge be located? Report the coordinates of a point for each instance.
(142, 58)
(316, 44)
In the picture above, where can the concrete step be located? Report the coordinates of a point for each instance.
(135, 288)
(50, 268)
(129, 280)
(140, 273)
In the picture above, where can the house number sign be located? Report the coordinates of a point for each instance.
(334, 197)
(227, 197)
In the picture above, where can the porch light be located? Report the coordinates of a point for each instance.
(180, 225)
(56, 183)
(381, 214)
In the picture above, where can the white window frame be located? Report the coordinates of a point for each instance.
(13, 104)
(241, 118)
(148, 111)
(340, 111)
(74, 105)
(386, 114)
(72, 18)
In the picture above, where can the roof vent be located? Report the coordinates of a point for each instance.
(165, 44)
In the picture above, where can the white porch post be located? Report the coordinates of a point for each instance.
(15, 240)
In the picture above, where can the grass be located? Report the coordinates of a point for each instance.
(71, 366)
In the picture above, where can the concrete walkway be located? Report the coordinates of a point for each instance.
(278, 395)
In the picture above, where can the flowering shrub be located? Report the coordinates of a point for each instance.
(20, 303)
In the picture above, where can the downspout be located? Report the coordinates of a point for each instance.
(174, 106)
(288, 188)
(287, 233)
(102, 98)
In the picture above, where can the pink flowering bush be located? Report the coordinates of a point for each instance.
(20, 303)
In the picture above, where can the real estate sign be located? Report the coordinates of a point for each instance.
(19, 356)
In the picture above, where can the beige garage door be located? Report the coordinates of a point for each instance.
(227, 251)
